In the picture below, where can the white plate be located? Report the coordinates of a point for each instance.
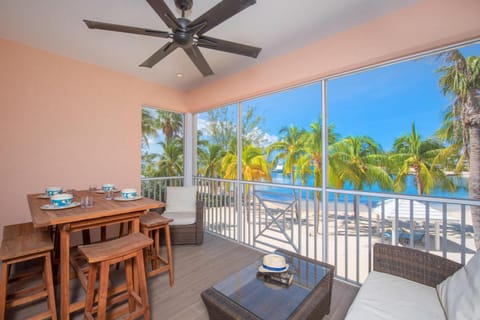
(52, 207)
(43, 196)
(101, 191)
(123, 199)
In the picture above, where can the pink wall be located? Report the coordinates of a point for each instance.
(67, 123)
(429, 24)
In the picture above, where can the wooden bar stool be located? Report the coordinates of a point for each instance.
(21, 243)
(151, 224)
(101, 256)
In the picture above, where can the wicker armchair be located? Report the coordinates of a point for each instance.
(189, 233)
(412, 264)
(181, 201)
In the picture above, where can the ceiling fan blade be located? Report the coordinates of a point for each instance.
(164, 13)
(228, 46)
(219, 13)
(159, 55)
(127, 29)
(199, 60)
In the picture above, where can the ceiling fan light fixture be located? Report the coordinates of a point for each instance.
(179, 75)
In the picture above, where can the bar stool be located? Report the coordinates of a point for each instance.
(102, 255)
(151, 224)
(21, 243)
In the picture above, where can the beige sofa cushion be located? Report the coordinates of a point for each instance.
(460, 293)
(384, 296)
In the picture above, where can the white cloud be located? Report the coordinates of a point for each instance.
(201, 124)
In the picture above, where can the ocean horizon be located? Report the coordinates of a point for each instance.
(277, 192)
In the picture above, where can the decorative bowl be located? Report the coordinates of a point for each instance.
(50, 191)
(129, 193)
(108, 187)
(61, 200)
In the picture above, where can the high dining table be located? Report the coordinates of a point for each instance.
(104, 212)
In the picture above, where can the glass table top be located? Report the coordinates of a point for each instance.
(271, 301)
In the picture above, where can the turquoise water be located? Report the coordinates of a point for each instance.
(460, 182)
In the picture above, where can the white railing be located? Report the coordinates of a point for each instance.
(268, 216)
(154, 188)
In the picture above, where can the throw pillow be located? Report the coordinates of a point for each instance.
(460, 293)
(181, 199)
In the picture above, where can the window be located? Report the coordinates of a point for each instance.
(162, 143)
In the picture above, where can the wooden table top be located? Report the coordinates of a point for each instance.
(101, 208)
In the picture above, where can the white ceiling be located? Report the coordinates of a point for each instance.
(277, 26)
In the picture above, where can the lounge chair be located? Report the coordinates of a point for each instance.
(404, 235)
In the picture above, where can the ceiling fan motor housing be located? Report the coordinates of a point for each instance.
(184, 5)
(181, 36)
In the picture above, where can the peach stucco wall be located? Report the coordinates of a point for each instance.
(429, 24)
(67, 123)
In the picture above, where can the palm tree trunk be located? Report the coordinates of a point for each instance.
(474, 180)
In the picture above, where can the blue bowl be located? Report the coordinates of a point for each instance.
(129, 193)
(61, 200)
(108, 186)
(50, 191)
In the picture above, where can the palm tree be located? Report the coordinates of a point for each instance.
(312, 144)
(360, 162)
(171, 160)
(254, 168)
(415, 156)
(210, 160)
(289, 149)
(149, 164)
(461, 78)
(149, 129)
(170, 123)
(254, 165)
(450, 133)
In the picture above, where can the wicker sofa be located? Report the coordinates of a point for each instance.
(387, 292)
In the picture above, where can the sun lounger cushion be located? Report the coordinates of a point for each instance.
(181, 218)
(460, 293)
(384, 296)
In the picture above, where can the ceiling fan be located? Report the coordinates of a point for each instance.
(186, 34)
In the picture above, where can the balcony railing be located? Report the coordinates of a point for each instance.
(154, 188)
(268, 216)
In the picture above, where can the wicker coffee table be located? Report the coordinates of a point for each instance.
(243, 296)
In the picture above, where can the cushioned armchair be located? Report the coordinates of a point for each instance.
(187, 214)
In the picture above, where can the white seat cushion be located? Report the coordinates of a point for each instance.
(384, 296)
(460, 293)
(181, 199)
(181, 218)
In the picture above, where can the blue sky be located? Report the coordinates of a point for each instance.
(381, 103)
